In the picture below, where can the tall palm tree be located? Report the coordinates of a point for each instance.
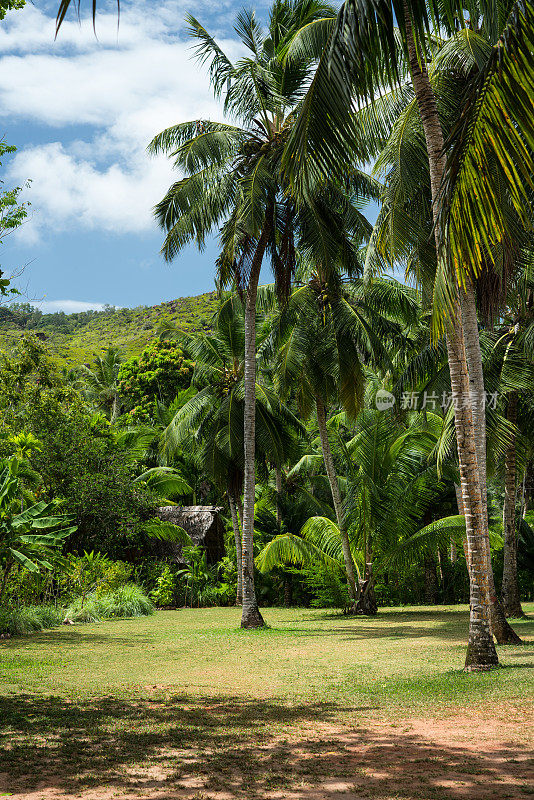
(233, 182)
(365, 55)
(321, 336)
(404, 228)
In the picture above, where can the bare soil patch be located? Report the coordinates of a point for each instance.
(221, 751)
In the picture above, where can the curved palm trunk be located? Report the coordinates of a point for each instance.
(238, 549)
(510, 588)
(336, 497)
(251, 616)
(481, 653)
(500, 628)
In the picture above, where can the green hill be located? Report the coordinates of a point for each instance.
(76, 338)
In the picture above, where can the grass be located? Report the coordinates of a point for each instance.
(186, 700)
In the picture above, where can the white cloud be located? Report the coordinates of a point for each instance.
(68, 306)
(116, 95)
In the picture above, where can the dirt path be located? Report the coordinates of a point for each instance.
(452, 758)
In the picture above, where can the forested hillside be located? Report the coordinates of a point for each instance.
(76, 338)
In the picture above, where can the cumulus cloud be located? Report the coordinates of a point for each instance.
(113, 94)
(68, 306)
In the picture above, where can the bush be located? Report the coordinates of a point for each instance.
(29, 619)
(126, 602)
(26, 588)
(165, 592)
(92, 573)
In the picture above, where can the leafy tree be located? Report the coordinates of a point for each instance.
(12, 211)
(10, 5)
(156, 376)
(80, 462)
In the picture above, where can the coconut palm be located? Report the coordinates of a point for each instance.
(102, 382)
(233, 182)
(322, 336)
(366, 52)
(403, 232)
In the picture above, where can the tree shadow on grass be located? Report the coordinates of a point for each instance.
(365, 631)
(171, 746)
(74, 636)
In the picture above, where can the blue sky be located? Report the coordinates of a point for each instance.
(81, 111)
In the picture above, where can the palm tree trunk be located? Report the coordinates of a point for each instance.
(481, 653)
(460, 503)
(500, 628)
(288, 591)
(367, 599)
(510, 588)
(278, 483)
(251, 616)
(115, 408)
(431, 580)
(336, 497)
(238, 549)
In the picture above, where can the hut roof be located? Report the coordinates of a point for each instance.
(196, 520)
(202, 523)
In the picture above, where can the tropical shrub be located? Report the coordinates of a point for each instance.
(29, 537)
(164, 593)
(92, 573)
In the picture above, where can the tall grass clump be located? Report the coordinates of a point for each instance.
(29, 619)
(125, 602)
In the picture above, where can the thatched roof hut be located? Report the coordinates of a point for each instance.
(203, 524)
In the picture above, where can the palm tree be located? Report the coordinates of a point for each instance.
(511, 369)
(102, 382)
(233, 182)
(403, 231)
(365, 53)
(321, 336)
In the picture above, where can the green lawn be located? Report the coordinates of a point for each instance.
(185, 700)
